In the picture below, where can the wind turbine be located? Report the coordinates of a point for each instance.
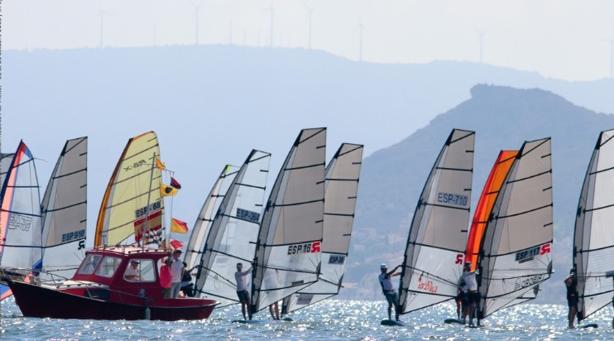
(481, 36)
(361, 29)
(309, 10)
(196, 5)
(271, 9)
(101, 14)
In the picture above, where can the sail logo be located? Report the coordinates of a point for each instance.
(311, 247)
(527, 282)
(248, 215)
(20, 222)
(452, 199)
(459, 258)
(427, 285)
(135, 165)
(70, 236)
(529, 254)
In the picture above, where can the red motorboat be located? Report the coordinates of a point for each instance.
(110, 284)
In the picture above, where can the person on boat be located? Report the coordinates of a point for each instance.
(468, 284)
(388, 289)
(187, 287)
(132, 271)
(571, 283)
(242, 292)
(177, 271)
(166, 278)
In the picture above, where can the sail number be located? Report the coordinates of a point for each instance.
(528, 254)
(312, 247)
(451, 198)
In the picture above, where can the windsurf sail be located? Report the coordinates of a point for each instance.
(287, 255)
(341, 189)
(196, 243)
(516, 248)
(132, 201)
(64, 212)
(593, 251)
(437, 237)
(233, 234)
(5, 163)
(482, 213)
(20, 215)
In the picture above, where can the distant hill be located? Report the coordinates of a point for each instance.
(212, 104)
(503, 118)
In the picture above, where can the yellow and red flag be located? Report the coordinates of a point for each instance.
(176, 244)
(167, 190)
(178, 226)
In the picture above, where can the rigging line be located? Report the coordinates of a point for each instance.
(359, 146)
(314, 134)
(65, 207)
(228, 254)
(530, 176)
(304, 167)
(523, 212)
(69, 174)
(79, 141)
(139, 152)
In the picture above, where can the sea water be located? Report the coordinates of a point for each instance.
(331, 320)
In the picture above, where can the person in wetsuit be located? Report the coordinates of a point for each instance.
(388, 289)
(571, 284)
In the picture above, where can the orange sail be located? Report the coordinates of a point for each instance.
(491, 189)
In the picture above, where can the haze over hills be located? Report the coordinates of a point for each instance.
(211, 104)
(503, 118)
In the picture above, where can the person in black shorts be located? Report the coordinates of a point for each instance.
(571, 283)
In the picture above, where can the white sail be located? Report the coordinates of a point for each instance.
(5, 163)
(233, 234)
(196, 243)
(20, 216)
(593, 251)
(64, 212)
(287, 257)
(438, 233)
(341, 188)
(516, 252)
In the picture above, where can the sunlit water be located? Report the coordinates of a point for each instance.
(332, 320)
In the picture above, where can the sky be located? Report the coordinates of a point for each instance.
(564, 39)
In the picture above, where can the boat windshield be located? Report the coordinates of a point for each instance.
(140, 270)
(90, 264)
(108, 266)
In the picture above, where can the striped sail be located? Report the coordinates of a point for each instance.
(232, 238)
(287, 256)
(437, 237)
(20, 216)
(132, 201)
(64, 212)
(483, 210)
(516, 249)
(593, 252)
(196, 243)
(341, 188)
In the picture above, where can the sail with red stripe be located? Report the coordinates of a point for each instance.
(486, 203)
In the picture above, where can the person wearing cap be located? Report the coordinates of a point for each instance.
(132, 271)
(571, 283)
(388, 289)
(468, 285)
(177, 271)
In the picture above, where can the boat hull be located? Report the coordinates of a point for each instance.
(38, 301)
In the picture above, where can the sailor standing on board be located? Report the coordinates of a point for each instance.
(388, 289)
(468, 285)
(571, 283)
(242, 293)
(177, 271)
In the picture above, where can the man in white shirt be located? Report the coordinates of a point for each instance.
(242, 292)
(388, 289)
(468, 284)
(177, 272)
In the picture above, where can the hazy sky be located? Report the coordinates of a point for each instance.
(566, 39)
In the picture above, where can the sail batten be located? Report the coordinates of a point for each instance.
(341, 186)
(438, 233)
(288, 247)
(593, 238)
(515, 249)
(232, 235)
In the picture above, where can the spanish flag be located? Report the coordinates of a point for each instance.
(175, 244)
(160, 165)
(178, 226)
(168, 191)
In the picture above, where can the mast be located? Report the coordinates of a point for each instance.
(144, 226)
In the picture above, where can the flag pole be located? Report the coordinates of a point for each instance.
(168, 229)
(143, 228)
